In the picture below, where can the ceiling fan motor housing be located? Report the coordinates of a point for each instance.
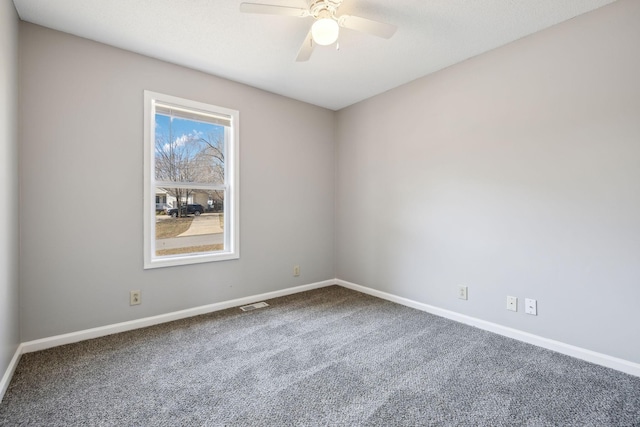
(324, 8)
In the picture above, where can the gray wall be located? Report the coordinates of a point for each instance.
(82, 184)
(9, 330)
(514, 173)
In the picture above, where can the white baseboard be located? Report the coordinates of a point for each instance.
(622, 365)
(6, 378)
(577, 352)
(55, 341)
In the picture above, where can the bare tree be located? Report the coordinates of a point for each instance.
(173, 157)
(212, 157)
(189, 158)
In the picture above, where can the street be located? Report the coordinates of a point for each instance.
(189, 241)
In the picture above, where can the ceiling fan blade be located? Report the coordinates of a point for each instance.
(306, 49)
(271, 9)
(375, 28)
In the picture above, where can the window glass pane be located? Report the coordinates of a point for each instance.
(193, 228)
(189, 151)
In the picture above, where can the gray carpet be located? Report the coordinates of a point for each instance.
(326, 357)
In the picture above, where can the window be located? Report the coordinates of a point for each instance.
(191, 182)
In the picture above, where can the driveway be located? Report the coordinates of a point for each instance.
(204, 224)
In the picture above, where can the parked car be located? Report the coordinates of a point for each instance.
(195, 209)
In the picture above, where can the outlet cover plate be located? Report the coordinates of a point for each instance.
(135, 298)
(463, 292)
(512, 303)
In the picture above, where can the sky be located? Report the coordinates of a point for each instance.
(181, 128)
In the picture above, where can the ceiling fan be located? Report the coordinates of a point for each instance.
(326, 28)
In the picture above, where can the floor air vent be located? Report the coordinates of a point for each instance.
(254, 306)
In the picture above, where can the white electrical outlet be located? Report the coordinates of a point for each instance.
(512, 303)
(135, 297)
(462, 292)
(296, 270)
(531, 306)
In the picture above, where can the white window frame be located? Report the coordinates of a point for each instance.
(232, 177)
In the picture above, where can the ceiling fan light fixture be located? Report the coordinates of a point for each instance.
(325, 31)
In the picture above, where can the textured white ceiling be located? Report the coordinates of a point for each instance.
(259, 50)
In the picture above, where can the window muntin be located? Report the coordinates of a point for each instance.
(191, 163)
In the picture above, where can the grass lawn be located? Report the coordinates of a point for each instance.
(172, 227)
(190, 250)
